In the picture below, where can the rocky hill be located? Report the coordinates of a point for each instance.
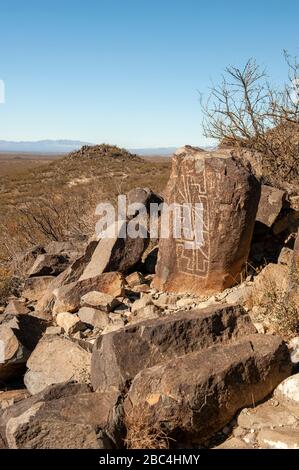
(129, 343)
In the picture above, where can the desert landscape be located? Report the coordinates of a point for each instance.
(149, 293)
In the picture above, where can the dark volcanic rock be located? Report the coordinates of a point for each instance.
(193, 396)
(228, 194)
(118, 356)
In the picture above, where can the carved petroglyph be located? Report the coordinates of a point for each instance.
(193, 250)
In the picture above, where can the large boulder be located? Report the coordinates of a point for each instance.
(19, 334)
(36, 287)
(143, 197)
(65, 416)
(270, 205)
(55, 360)
(68, 297)
(49, 265)
(116, 253)
(13, 355)
(118, 356)
(16, 307)
(227, 195)
(191, 397)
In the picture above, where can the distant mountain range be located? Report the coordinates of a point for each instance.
(66, 146)
(42, 146)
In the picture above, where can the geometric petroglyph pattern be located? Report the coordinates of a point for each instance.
(193, 250)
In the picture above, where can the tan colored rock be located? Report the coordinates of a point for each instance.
(94, 317)
(69, 322)
(36, 287)
(270, 205)
(288, 393)
(239, 295)
(274, 277)
(115, 254)
(287, 438)
(198, 393)
(68, 298)
(65, 416)
(141, 303)
(56, 360)
(49, 265)
(99, 300)
(13, 355)
(234, 443)
(16, 307)
(135, 279)
(268, 415)
(10, 397)
(146, 313)
(19, 335)
(229, 195)
(286, 256)
(185, 302)
(54, 330)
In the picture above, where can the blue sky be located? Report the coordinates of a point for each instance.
(128, 71)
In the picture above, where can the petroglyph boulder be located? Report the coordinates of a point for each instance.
(224, 197)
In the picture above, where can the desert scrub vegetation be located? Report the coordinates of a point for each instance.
(57, 200)
(260, 120)
(278, 308)
(142, 433)
(9, 284)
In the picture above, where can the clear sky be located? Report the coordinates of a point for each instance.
(128, 71)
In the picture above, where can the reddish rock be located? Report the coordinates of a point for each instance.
(193, 396)
(270, 205)
(229, 195)
(68, 298)
(118, 356)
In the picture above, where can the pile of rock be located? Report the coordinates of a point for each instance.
(101, 342)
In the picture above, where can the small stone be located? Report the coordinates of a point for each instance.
(16, 307)
(287, 393)
(184, 302)
(54, 330)
(100, 301)
(287, 438)
(135, 279)
(141, 303)
(95, 318)
(69, 322)
(146, 313)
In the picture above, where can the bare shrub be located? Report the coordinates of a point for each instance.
(278, 309)
(142, 433)
(247, 112)
(9, 285)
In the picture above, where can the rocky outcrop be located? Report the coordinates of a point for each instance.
(68, 298)
(227, 195)
(65, 416)
(56, 360)
(270, 205)
(49, 265)
(115, 254)
(19, 335)
(195, 395)
(118, 356)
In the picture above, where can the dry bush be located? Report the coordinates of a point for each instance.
(278, 309)
(142, 433)
(246, 112)
(9, 285)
